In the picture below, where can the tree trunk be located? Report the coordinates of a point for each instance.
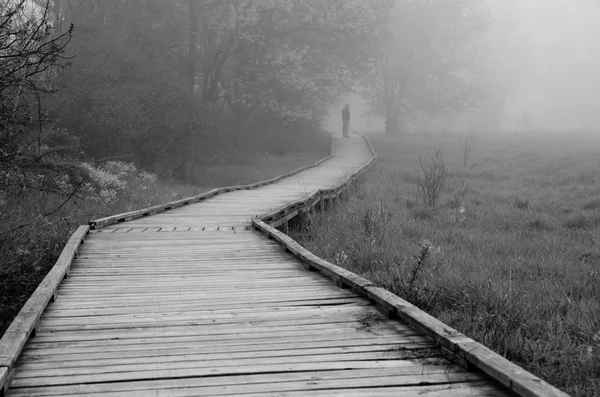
(391, 120)
(57, 18)
(193, 46)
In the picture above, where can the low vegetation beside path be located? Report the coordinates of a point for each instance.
(496, 236)
(34, 226)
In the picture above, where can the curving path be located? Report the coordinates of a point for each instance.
(190, 302)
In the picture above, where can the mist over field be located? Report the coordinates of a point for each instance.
(540, 60)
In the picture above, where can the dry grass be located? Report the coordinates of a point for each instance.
(509, 256)
(29, 253)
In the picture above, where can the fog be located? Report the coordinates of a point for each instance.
(540, 61)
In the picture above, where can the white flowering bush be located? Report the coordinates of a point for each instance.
(117, 180)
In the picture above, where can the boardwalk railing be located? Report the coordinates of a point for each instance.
(454, 345)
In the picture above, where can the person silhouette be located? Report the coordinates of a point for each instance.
(346, 121)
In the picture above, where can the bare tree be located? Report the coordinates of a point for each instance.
(193, 45)
(467, 146)
(30, 51)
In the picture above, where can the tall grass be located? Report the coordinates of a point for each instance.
(509, 255)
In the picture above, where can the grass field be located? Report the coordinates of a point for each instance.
(509, 254)
(29, 252)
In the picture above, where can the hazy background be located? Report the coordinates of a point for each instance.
(542, 58)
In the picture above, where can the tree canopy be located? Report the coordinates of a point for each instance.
(427, 52)
(168, 83)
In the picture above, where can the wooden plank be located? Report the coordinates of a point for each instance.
(307, 386)
(218, 370)
(299, 293)
(411, 350)
(61, 311)
(293, 346)
(201, 316)
(341, 324)
(234, 380)
(183, 299)
(165, 323)
(123, 343)
(159, 389)
(463, 389)
(119, 336)
(62, 375)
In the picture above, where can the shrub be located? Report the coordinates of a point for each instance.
(467, 146)
(539, 225)
(432, 174)
(521, 203)
(592, 205)
(581, 222)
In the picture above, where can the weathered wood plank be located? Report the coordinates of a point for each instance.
(203, 355)
(295, 346)
(236, 380)
(125, 343)
(220, 370)
(388, 380)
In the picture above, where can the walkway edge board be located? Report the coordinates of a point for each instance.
(127, 216)
(462, 347)
(23, 326)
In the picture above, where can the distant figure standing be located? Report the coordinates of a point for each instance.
(346, 120)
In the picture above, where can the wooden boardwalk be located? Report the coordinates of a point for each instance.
(193, 302)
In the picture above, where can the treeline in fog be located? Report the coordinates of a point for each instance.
(170, 84)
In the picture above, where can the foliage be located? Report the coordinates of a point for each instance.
(153, 81)
(427, 54)
(432, 175)
(32, 157)
(124, 95)
(290, 57)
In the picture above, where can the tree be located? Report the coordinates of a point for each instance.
(193, 44)
(153, 80)
(427, 52)
(288, 58)
(128, 90)
(31, 52)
